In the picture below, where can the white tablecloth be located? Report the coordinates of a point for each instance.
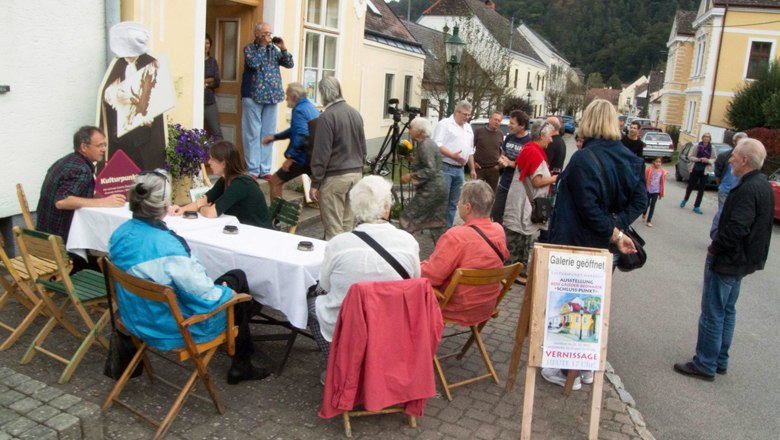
(91, 228)
(277, 272)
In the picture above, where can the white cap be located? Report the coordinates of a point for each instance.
(128, 39)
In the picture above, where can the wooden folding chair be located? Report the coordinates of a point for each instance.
(474, 277)
(85, 289)
(20, 290)
(200, 354)
(286, 212)
(25, 207)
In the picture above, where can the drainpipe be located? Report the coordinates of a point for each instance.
(112, 17)
(717, 63)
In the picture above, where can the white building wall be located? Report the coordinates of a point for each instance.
(52, 54)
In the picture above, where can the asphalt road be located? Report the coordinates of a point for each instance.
(654, 324)
(654, 318)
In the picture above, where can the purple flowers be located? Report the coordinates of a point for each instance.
(187, 149)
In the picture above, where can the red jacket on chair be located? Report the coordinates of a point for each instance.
(383, 347)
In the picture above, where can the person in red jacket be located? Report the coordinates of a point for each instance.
(655, 180)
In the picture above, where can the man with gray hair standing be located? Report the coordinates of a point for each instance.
(261, 91)
(739, 247)
(455, 140)
(726, 180)
(337, 158)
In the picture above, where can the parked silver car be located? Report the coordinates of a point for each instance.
(657, 144)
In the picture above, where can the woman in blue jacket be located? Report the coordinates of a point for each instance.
(595, 204)
(145, 248)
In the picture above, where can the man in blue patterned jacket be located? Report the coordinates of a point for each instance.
(261, 91)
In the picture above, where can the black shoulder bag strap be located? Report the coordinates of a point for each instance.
(605, 178)
(495, 248)
(381, 251)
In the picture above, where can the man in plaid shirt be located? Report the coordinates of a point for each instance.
(70, 184)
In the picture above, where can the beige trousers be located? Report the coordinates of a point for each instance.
(335, 211)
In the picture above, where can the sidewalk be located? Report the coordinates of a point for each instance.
(286, 407)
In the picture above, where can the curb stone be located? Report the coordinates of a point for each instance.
(625, 397)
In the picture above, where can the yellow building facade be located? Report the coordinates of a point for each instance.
(731, 43)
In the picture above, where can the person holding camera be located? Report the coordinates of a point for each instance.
(261, 91)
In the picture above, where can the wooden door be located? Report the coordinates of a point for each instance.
(230, 26)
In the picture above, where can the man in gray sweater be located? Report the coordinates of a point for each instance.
(337, 160)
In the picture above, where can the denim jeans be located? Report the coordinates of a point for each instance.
(453, 181)
(718, 317)
(257, 121)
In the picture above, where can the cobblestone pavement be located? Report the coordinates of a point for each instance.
(285, 407)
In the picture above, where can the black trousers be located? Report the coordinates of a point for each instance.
(236, 280)
(696, 180)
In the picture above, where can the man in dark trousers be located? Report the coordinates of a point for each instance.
(740, 247)
(556, 151)
(487, 150)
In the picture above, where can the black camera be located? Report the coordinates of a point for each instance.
(392, 107)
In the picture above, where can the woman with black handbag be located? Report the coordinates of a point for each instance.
(528, 201)
(600, 194)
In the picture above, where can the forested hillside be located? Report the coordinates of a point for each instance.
(623, 37)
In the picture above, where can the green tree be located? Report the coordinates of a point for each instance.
(595, 81)
(615, 82)
(752, 104)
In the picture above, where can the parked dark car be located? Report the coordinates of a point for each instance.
(681, 168)
(568, 124)
(657, 144)
(774, 182)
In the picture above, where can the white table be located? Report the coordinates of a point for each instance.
(277, 272)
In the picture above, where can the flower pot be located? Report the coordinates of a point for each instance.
(181, 190)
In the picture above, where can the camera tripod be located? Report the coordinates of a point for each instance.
(388, 152)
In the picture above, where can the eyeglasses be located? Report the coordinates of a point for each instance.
(100, 145)
(266, 33)
(466, 114)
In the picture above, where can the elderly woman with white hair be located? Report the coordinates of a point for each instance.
(531, 180)
(145, 248)
(428, 208)
(349, 259)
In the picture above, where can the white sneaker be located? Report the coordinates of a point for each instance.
(586, 377)
(556, 376)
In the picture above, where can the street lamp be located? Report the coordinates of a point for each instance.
(453, 48)
(529, 89)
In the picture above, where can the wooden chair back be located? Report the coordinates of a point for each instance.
(25, 207)
(41, 245)
(479, 277)
(286, 212)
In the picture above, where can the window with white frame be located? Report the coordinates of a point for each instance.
(320, 44)
(701, 44)
(689, 120)
(758, 58)
(389, 79)
(408, 81)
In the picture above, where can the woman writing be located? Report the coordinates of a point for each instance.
(428, 208)
(235, 193)
(531, 179)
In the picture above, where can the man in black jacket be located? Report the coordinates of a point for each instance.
(740, 247)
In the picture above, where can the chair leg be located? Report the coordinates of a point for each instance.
(483, 351)
(22, 327)
(120, 384)
(467, 346)
(92, 336)
(42, 335)
(441, 378)
(185, 391)
(347, 425)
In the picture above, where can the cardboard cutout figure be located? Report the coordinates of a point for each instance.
(135, 93)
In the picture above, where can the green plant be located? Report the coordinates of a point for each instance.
(751, 106)
(186, 150)
(674, 132)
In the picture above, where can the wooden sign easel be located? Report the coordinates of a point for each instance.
(531, 323)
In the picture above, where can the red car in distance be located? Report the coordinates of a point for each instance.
(774, 182)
